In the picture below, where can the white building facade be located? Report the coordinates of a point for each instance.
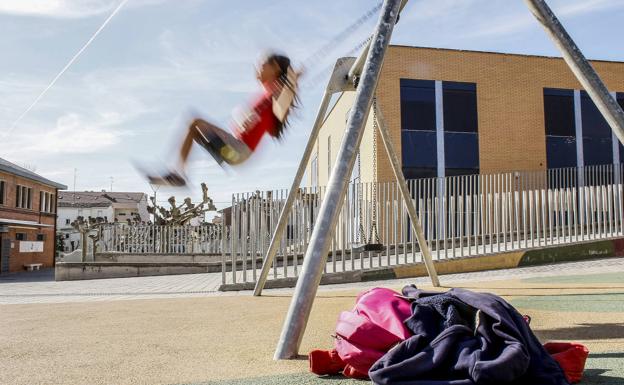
(110, 206)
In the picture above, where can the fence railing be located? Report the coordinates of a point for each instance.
(461, 216)
(156, 239)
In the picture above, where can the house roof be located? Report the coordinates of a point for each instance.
(97, 199)
(12, 168)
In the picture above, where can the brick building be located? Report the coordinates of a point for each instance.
(27, 218)
(453, 112)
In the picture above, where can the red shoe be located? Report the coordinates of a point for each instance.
(324, 362)
(571, 357)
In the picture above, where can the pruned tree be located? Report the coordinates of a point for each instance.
(183, 213)
(89, 229)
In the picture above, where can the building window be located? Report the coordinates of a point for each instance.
(329, 158)
(461, 138)
(67, 221)
(41, 237)
(418, 128)
(2, 190)
(47, 202)
(23, 197)
(597, 144)
(421, 128)
(20, 236)
(560, 128)
(314, 171)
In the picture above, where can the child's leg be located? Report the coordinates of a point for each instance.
(222, 145)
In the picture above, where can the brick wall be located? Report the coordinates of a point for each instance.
(11, 212)
(509, 101)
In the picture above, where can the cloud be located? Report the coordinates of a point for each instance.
(64, 8)
(57, 8)
(72, 134)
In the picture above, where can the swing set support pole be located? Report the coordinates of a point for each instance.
(356, 69)
(407, 197)
(582, 69)
(316, 254)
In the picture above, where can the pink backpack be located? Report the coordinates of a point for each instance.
(373, 327)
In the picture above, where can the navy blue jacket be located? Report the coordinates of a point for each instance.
(466, 338)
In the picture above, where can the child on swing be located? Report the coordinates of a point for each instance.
(268, 114)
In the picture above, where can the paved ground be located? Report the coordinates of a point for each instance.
(176, 330)
(40, 287)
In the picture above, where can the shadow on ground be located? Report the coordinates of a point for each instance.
(600, 377)
(44, 275)
(583, 332)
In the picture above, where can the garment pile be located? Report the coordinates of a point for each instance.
(458, 337)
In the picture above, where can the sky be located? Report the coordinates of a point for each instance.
(156, 63)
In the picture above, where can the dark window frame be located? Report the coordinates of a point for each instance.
(560, 136)
(2, 192)
(597, 134)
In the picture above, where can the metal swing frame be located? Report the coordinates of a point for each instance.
(364, 71)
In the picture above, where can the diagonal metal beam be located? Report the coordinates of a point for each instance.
(356, 68)
(407, 197)
(582, 69)
(316, 254)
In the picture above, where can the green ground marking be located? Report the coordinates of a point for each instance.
(604, 302)
(588, 278)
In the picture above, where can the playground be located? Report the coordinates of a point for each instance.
(211, 338)
(546, 240)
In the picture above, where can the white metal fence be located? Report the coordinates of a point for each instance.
(461, 216)
(155, 239)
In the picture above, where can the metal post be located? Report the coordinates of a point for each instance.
(407, 197)
(336, 83)
(579, 65)
(356, 69)
(316, 255)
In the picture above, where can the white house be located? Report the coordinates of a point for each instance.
(111, 206)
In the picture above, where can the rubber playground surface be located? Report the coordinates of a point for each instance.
(230, 339)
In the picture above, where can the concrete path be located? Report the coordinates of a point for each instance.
(40, 287)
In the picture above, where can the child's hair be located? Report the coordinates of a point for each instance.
(283, 63)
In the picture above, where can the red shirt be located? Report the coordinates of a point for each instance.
(258, 120)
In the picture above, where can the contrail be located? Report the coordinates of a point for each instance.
(73, 59)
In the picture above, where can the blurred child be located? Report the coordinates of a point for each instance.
(267, 114)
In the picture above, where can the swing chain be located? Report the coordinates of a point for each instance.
(373, 229)
(362, 234)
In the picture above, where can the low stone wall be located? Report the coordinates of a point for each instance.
(157, 258)
(70, 271)
(504, 260)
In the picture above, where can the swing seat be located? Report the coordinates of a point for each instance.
(368, 247)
